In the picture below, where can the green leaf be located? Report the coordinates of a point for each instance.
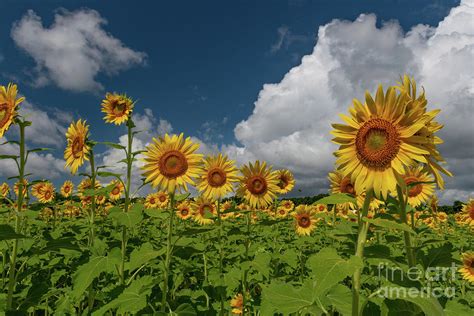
(181, 197)
(38, 150)
(7, 232)
(454, 308)
(128, 219)
(108, 174)
(157, 213)
(284, 298)
(183, 310)
(8, 157)
(429, 305)
(386, 223)
(113, 145)
(329, 269)
(261, 263)
(337, 198)
(142, 255)
(86, 273)
(340, 297)
(440, 256)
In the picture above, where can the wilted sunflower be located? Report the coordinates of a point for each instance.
(467, 270)
(426, 135)
(77, 149)
(286, 181)
(4, 189)
(379, 141)
(305, 221)
(217, 177)
(183, 210)
(237, 304)
(258, 185)
(37, 189)
(8, 106)
(420, 192)
(117, 190)
(117, 108)
(203, 209)
(46, 194)
(468, 213)
(67, 188)
(171, 162)
(16, 187)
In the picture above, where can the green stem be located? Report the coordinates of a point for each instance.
(127, 198)
(361, 239)
(221, 254)
(407, 237)
(168, 255)
(93, 204)
(21, 175)
(244, 281)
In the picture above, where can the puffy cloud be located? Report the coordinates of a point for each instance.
(290, 123)
(73, 50)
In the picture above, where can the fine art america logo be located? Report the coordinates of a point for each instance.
(433, 282)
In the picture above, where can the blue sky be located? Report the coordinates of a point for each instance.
(198, 65)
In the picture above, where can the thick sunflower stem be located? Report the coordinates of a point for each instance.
(168, 254)
(407, 237)
(127, 198)
(221, 254)
(21, 176)
(361, 239)
(90, 289)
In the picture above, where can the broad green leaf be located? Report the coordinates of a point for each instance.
(337, 198)
(128, 219)
(142, 255)
(183, 310)
(8, 157)
(86, 273)
(429, 305)
(454, 308)
(261, 263)
(7, 232)
(285, 298)
(181, 197)
(340, 297)
(108, 174)
(113, 145)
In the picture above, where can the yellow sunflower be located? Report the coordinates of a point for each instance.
(183, 210)
(227, 205)
(171, 162)
(237, 304)
(379, 141)
(100, 199)
(258, 185)
(67, 188)
(433, 203)
(341, 184)
(4, 189)
(288, 205)
(162, 199)
(46, 193)
(151, 201)
(203, 209)
(117, 108)
(8, 106)
(305, 221)
(217, 177)
(77, 149)
(16, 187)
(426, 135)
(322, 208)
(37, 189)
(286, 181)
(117, 190)
(282, 212)
(468, 213)
(420, 192)
(467, 270)
(86, 184)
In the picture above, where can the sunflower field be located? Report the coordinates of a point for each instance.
(377, 244)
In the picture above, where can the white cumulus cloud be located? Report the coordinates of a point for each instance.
(73, 50)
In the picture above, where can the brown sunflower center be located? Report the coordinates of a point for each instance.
(257, 185)
(206, 207)
(67, 189)
(346, 186)
(377, 143)
(471, 214)
(282, 212)
(216, 177)
(184, 212)
(162, 198)
(119, 108)
(152, 201)
(47, 195)
(283, 183)
(304, 221)
(116, 191)
(321, 208)
(173, 164)
(77, 147)
(416, 189)
(5, 114)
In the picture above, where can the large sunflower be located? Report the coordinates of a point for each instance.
(217, 177)
(258, 185)
(8, 106)
(379, 141)
(286, 181)
(67, 188)
(305, 221)
(203, 209)
(171, 162)
(426, 134)
(4, 189)
(117, 108)
(467, 270)
(46, 194)
(419, 192)
(77, 149)
(468, 213)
